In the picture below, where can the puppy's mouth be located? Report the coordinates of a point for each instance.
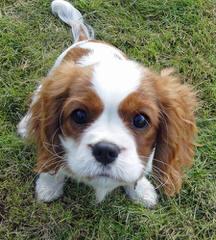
(101, 175)
(105, 176)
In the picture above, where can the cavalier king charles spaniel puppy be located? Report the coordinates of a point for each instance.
(108, 121)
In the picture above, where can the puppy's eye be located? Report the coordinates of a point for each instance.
(79, 116)
(140, 121)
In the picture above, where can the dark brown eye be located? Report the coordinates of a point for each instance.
(140, 121)
(79, 116)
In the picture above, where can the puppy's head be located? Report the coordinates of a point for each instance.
(102, 122)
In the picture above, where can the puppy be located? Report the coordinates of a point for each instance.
(108, 121)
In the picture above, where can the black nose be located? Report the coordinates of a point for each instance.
(105, 152)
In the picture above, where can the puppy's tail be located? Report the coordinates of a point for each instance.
(70, 15)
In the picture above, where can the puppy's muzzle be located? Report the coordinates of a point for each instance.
(105, 152)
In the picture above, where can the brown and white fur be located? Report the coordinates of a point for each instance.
(108, 121)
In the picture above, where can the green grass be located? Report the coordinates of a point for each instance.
(158, 33)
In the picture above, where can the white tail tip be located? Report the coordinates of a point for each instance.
(70, 15)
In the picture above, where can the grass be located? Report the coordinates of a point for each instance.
(158, 33)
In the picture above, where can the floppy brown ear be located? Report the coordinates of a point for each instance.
(44, 123)
(175, 139)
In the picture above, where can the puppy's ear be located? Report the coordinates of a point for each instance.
(177, 129)
(44, 124)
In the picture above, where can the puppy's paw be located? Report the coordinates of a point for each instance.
(48, 188)
(48, 194)
(143, 193)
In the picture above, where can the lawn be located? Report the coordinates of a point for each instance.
(157, 33)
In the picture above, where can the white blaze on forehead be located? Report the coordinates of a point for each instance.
(114, 79)
(114, 76)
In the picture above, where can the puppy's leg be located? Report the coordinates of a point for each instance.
(22, 126)
(50, 187)
(143, 192)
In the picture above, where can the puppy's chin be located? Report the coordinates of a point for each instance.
(106, 180)
(103, 181)
(103, 185)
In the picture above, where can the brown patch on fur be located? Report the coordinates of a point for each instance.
(169, 105)
(89, 102)
(49, 114)
(142, 101)
(74, 54)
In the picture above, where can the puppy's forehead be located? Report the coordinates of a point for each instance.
(114, 79)
(114, 76)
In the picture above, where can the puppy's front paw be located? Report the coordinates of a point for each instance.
(48, 194)
(48, 188)
(143, 193)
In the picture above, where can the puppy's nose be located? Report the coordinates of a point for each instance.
(105, 152)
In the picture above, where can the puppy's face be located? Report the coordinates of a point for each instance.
(102, 121)
(108, 125)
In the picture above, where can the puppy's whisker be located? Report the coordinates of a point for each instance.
(144, 157)
(174, 171)
(167, 164)
(158, 170)
(161, 184)
(168, 179)
(53, 137)
(60, 122)
(51, 152)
